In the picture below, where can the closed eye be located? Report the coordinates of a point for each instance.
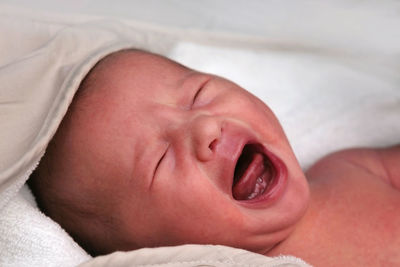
(158, 164)
(199, 91)
(196, 95)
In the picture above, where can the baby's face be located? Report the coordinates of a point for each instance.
(176, 156)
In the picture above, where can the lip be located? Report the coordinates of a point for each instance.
(229, 148)
(277, 187)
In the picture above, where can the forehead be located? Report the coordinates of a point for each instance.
(132, 82)
(140, 76)
(137, 72)
(137, 66)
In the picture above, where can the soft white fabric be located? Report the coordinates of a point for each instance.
(193, 255)
(42, 63)
(29, 238)
(328, 92)
(325, 102)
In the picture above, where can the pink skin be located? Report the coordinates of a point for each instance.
(143, 110)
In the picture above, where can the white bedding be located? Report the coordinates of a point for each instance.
(324, 102)
(331, 87)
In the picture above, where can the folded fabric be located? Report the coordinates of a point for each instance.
(193, 255)
(42, 65)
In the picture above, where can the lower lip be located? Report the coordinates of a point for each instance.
(276, 189)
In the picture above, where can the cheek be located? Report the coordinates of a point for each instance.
(195, 212)
(254, 114)
(243, 102)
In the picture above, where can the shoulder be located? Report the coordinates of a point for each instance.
(381, 163)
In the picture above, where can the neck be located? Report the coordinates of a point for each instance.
(305, 240)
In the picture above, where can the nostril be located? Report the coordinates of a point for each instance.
(213, 144)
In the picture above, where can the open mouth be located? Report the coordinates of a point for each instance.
(254, 174)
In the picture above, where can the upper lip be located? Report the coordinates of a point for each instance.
(235, 162)
(230, 147)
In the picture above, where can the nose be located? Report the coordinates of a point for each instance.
(205, 131)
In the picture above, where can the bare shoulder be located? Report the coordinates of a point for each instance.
(382, 163)
(353, 208)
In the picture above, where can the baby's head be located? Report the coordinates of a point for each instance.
(152, 153)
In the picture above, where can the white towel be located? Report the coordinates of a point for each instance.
(29, 238)
(41, 66)
(193, 255)
(42, 62)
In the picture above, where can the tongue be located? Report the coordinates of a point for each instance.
(246, 184)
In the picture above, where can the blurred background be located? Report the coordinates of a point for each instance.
(254, 17)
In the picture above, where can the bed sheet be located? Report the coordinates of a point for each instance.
(325, 102)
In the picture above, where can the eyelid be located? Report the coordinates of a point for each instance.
(201, 87)
(159, 162)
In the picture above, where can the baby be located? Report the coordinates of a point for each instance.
(152, 153)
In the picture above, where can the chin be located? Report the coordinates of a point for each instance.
(265, 183)
(273, 193)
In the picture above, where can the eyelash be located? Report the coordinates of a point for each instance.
(159, 162)
(196, 95)
(198, 92)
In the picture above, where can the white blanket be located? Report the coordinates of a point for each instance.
(328, 94)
